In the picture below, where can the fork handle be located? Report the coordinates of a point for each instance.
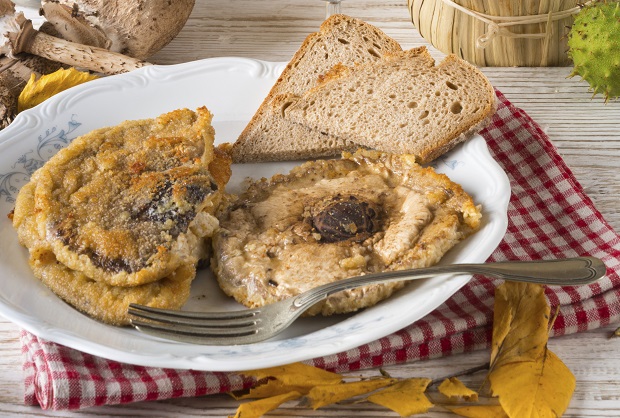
(559, 272)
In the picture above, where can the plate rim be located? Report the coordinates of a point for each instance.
(45, 330)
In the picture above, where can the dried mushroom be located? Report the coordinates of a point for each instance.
(137, 28)
(345, 218)
(96, 35)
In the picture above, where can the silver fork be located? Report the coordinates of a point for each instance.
(254, 325)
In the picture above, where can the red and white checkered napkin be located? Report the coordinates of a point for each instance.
(549, 217)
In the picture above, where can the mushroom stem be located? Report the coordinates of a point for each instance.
(14, 75)
(100, 60)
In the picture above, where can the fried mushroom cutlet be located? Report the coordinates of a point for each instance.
(98, 300)
(331, 219)
(130, 204)
(125, 214)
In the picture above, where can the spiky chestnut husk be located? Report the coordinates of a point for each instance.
(594, 47)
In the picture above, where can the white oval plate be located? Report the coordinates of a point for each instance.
(232, 88)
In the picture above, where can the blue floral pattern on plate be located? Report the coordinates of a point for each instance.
(452, 164)
(48, 144)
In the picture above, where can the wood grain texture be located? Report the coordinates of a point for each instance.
(585, 131)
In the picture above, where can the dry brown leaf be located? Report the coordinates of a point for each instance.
(405, 397)
(256, 409)
(454, 388)
(539, 388)
(329, 394)
(37, 91)
(520, 320)
(480, 411)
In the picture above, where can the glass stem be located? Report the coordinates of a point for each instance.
(333, 7)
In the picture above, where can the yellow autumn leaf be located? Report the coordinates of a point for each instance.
(480, 411)
(38, 90)
(538, 388)
(256, 409)
(405, 397)
(520, 320)
(329, 394)
(454, 388)
(529, 380)
(297, 374)
(271, 387)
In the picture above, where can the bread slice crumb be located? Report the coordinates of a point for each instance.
(340, 40)
(403, 103)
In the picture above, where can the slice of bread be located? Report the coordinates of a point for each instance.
(400, 104)
(340, 40)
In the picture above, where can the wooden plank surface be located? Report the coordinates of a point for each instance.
(586, 132)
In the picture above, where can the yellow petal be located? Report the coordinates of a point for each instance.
(37, 91)
(257, 409)
(405, 397)
(454, 388)
(328, 394)
(480, 411)
(520, 320)
(297, 374)
(538, 388)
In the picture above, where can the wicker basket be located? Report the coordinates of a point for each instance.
(498, 32)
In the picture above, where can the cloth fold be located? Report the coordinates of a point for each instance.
(549, 214)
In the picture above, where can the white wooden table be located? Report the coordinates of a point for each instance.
(586, 131)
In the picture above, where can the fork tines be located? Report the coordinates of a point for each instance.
(195, 327)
